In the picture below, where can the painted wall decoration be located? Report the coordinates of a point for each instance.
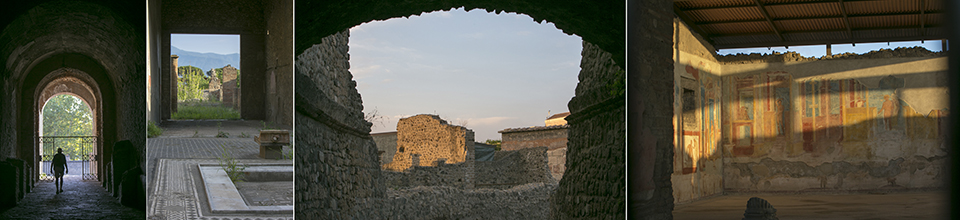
(699, 126)
(829, 112)
(698, 104)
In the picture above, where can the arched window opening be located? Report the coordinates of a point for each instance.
(500, 76)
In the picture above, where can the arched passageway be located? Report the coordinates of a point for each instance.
(67, 119)
(91, 49)
(330, 126)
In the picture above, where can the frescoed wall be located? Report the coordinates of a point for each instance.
(843, 124)
(697, 106)
(787, 123)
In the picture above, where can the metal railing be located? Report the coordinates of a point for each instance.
(80, 151)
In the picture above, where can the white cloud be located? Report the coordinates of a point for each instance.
(363, 71)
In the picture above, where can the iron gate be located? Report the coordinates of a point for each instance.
(80, 151)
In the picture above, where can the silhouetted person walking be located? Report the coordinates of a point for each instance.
(58, 168)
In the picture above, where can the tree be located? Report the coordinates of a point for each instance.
(67, 115)
(374, 117)
(494, 142)
(191, 83)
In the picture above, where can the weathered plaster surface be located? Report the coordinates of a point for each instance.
(783, 122)
(697, 164)
(841, 122)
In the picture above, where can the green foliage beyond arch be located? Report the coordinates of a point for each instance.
(67, 115)
(191, 82)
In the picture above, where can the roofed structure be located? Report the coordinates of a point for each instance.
(765, 23)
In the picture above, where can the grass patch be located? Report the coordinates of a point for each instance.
(153, 130)
(229, 164)
(204, 110)
(288, 155)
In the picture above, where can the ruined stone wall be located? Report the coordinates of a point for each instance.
(426, 139)
(439, 174)
(594, 175)
(214, 91)
(508, 169)
(512, 168)
(229, 90)
(338, 173)
(552, 137)
(529, 201)
(842, 122)
(697, 162)
(387, 145)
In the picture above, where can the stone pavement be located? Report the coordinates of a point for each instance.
(901, 205)
(210, 128)
(180, 194)
(80, 200)
(173, 190)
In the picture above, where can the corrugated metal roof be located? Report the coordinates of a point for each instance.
(804, 10)
(742, 23)
(810, 24)
(726, 14)
(733, 28)
(711, 4)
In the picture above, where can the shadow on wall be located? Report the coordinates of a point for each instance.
(781, 131)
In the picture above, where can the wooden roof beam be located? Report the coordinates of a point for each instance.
(846, 22)
(922, 19)
(769, 20)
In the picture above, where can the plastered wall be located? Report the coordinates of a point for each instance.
(849, 122)
(697, 160)
(787, 123)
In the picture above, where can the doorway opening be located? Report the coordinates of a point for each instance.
(67, 124)
(208, 76)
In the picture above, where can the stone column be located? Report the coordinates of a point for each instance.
(174, 75)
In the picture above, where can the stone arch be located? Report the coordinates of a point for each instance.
(600, 23)
(99, 43)
(74, 82)
(83, 77)
(329, 108)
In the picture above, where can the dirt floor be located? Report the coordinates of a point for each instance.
(906, 205)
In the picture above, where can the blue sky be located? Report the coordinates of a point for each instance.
(820, 50)
(207, 43)
(487, 70)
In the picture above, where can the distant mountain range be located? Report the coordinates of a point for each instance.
(205, 61)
